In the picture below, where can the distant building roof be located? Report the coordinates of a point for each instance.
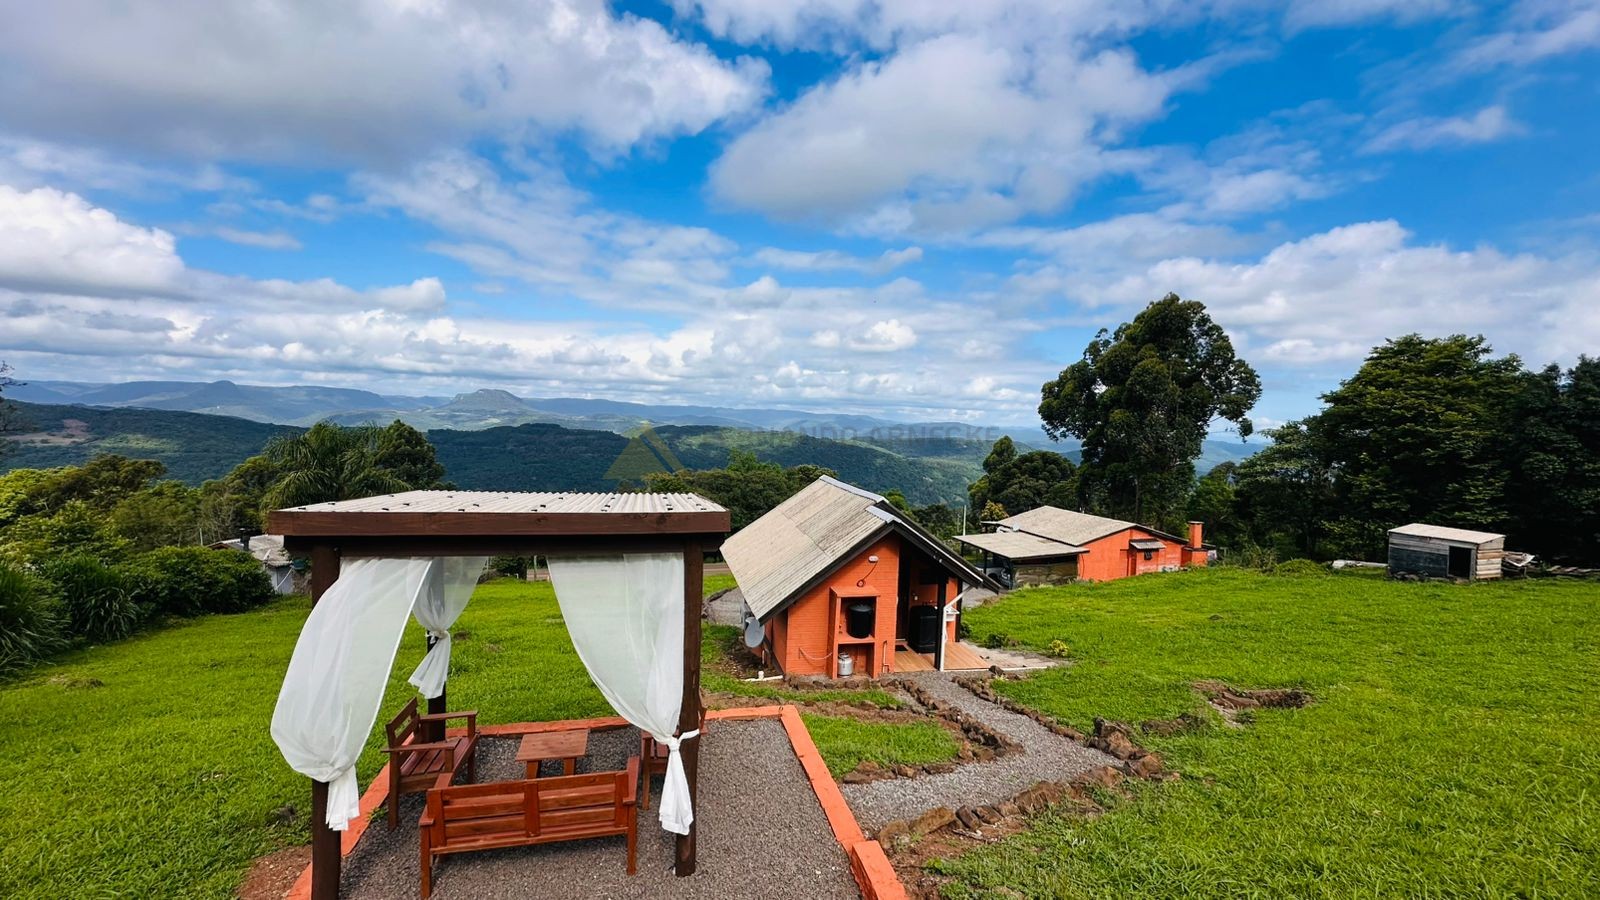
(266, 548)
(800, 541)
(1019, 545)
(1070, 527)
(1443, 533)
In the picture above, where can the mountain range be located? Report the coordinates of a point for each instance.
(493, 439)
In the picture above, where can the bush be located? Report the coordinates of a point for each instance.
(1059, 650)
(96, 598)
(1300, 567)
(191, 581)
(30, 625)
(1251, 555)
(1000, 641)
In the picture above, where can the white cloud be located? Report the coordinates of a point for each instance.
(57, 241)
(1538, 30)
(1304, 14)
(366, 80)
(837, 260)
(266, 240)
(955, 131)
(885, 336)
(1334, 295)
(1489, 124)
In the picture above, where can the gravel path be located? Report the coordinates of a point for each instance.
(1044, 756)
(761, 833)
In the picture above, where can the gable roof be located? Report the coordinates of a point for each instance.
(1019, 545)
(806, 537)
(1070, 527)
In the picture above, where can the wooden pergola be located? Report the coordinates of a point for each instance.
(496, 523)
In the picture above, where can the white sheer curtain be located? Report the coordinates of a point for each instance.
(450, 582)
(625, 615)
(334, 685)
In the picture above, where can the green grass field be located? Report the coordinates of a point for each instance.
(161, 780)
(1451, 750)
(846, 743)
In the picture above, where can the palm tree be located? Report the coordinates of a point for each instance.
(328, 462)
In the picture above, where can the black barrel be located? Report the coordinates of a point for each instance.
(858, 619)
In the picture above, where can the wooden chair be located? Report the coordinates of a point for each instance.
(469, 817)
(415, 765)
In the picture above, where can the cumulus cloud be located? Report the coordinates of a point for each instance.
(951, 132)
(57, 241)
(1334, 295)
(1423, 133)
(366, 80)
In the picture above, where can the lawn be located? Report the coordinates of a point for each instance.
(1451, 749)
(145, 768)
(845, 743)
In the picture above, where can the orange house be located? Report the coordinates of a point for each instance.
(837, 581)
(1049, 545)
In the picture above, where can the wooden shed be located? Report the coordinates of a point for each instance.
(1440, 552)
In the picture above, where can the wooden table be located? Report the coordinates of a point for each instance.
(566, 746)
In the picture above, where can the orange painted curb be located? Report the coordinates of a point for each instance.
(874, 873)
(745, 712)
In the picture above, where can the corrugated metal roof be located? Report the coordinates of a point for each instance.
(1064, 525)
(1146, 544)
(1019, 545)
(783, 552)
(1443, 533)
(552, 502)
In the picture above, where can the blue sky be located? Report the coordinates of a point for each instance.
(920, 210)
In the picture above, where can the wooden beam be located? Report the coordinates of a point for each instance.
(689, 711)
(325, 849)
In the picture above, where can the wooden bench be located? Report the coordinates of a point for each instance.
(415, 765)
(469, 817)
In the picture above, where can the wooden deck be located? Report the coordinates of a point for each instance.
(957, 657)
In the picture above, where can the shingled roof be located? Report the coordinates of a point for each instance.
(802, 540)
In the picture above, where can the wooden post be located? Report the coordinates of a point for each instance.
(437, 705)
(325, 841)
(689, 713)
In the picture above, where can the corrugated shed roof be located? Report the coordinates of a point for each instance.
(783, 552)
(1443, 533)
(1019, 545)
(518, 502)
(1064, 525)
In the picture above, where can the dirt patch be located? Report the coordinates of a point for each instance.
(272, 876)
(1231, 702)
(73, 431)
(944, 833)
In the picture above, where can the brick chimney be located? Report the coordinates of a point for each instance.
(1196, 533)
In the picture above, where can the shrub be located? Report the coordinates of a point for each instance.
(1058, 649)
(98, 604)
(1251, 555)
(1000, 641)
(30, 625)
(191, 581)
(1300, 567)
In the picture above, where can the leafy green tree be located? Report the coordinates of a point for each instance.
(898, 501)
(1417, 435)
(1021, 483)
(76, 528)
(406, 452)
(101, 483)
(1285, 492)
(1215, 502)
(938, 518)
(1000, 455)
(1553, 457)
(165, 514)
(747, 487)
(1142, 401)
(328, 462)
(993, 512)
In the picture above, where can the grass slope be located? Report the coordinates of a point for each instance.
(845, 743)
(1451, 750)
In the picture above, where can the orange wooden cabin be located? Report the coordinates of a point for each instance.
(841, 580)
(1048, 545)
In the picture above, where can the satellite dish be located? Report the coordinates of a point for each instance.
(754, 632)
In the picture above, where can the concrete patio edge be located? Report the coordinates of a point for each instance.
(874, 875)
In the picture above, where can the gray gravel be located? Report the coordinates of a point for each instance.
(1044, 756)
(761, 833)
